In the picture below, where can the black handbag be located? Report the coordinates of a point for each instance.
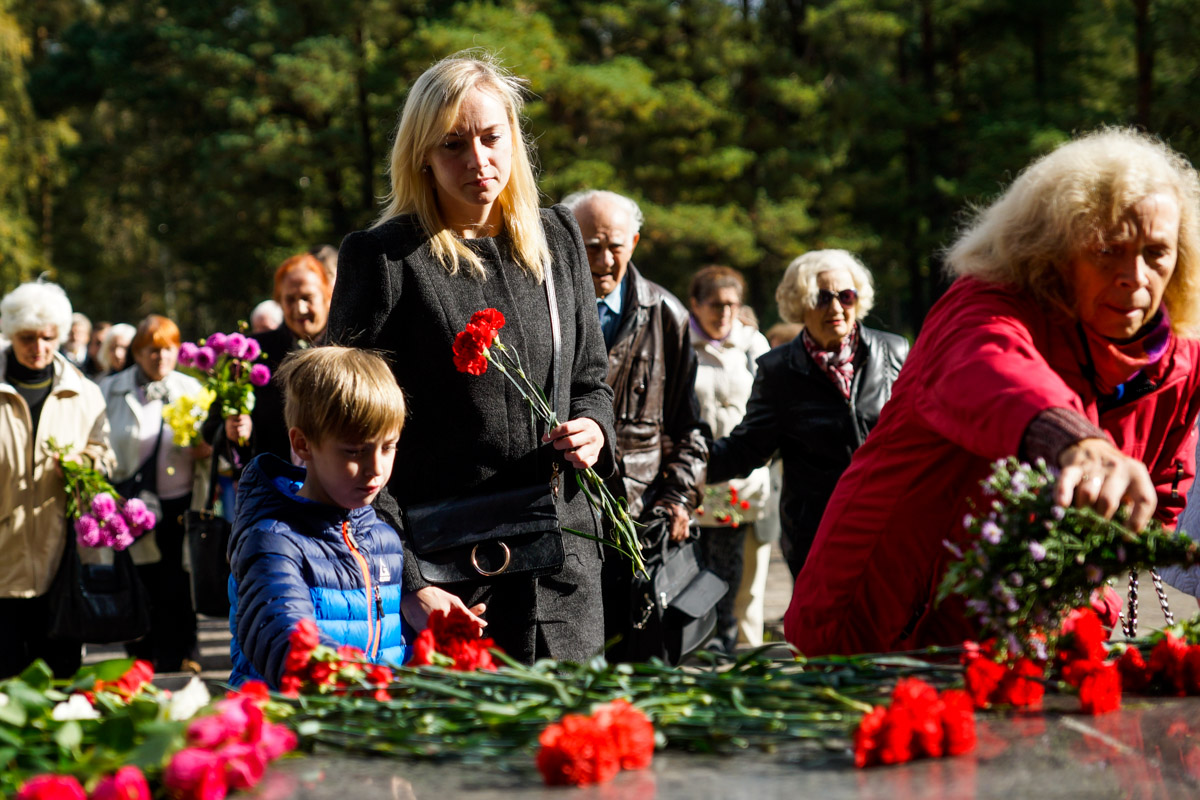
(673, 607)
(97, 603)
(491, 534)
(207, 536)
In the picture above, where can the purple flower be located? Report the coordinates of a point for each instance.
(253, 350)
(1094, 574)
(1010, 603)
(122, 540)
(235, 345)
(1037, 550)
(187, 354)
(1016, 579)
(87, 531)
(260, 375)
(205, 358)
(954, 551)
(104, 506)
(968, 520)
(1058, 512)
(1039, 649)
(1120, 554)
(216, 342)
(991, 532)
(1019, 483)
(139, 517)
(116, 525)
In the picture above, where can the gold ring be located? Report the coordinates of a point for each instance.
(1085, 478)
(487, 573)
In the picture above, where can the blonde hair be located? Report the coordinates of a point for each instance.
(342, 392)
(1066, 202)
(797, 292)
(428, 115)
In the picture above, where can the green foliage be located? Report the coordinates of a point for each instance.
(178, 151)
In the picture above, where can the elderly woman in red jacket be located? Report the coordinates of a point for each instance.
(1068, 336)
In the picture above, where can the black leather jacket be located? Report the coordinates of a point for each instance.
(661, 444)
(795, 409)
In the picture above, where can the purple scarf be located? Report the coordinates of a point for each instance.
(837, 364)
(1117, 364)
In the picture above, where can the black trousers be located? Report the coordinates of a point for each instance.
(172, 636)
(23, 626)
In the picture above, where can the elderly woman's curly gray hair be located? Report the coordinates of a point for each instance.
(797, 292)
(1066, 203)
(34, 306)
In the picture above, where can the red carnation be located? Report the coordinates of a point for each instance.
(631, 731)
(896, 736)
(348, 652)
(470, 348)
(1099, 685)
(423, 649)
(576, 751)
(488, 318)
(866, 737)
(919, 701)
(1132, 667)
(1166, 663)
(1082, 636)
(52, 787)
(958, 722)
(290, 685)
(1191, 670)
(1022, 686)
(306, 635)
(982, 678)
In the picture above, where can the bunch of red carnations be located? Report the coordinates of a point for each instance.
(727, 510)
(992, 679)
(579, 750)
(920, 723)
(1173, 667)
(313, 668)
(452, 640)
(229, 749)
(1083, 660)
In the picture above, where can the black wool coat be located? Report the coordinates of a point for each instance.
(467, 433)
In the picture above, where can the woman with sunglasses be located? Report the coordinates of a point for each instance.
(816, 398)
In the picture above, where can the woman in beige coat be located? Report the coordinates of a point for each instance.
(42, 396)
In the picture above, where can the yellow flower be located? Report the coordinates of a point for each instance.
(187, 414)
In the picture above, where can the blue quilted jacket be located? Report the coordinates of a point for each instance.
(293, 558)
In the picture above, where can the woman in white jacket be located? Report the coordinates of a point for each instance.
(727, 351)
(151, 466)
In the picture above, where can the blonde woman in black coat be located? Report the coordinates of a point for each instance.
(462, 231)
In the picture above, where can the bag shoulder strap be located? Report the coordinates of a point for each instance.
(555, 336)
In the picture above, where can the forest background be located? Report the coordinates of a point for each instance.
(166, 156)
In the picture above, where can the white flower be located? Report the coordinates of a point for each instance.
(74, 708)
(3, 700)
(188, 700)
(991, 532)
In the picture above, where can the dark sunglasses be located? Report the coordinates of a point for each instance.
(847, 297)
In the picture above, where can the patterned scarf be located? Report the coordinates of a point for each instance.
(837, 364)
(1116, 364)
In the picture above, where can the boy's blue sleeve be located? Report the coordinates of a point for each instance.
(272, 597)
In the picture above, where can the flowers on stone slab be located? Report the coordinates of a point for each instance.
(992, 678)
(186, 416)
(313, 668)
(477, 346)
(579, 750)
(920, 722)
(1022, 563)
(224, 364)
(451, 639)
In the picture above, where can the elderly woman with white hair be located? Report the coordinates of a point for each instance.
(1068, 335)
(113, 355)
(816, 398)
(43, 396)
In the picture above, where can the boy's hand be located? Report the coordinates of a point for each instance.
(417, 606)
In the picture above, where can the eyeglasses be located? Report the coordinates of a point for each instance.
(717, 305)
(846, 297)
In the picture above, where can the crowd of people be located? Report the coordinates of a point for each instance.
(1067, 335)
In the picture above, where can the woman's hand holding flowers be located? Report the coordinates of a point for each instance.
(417, 606)
(1096, 474)
(580, 440)
(238, 427)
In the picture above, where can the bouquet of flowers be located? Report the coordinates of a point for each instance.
(479, 345)
(1028, 562)
(224, 364)
(725, 510)
(99, 515)
(187, 414)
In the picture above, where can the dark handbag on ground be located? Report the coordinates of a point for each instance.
(97, 603)
(673, 609)
(490, 534)
(207, 538)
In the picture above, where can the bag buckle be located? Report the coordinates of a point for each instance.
(646, 612)
(554, 479)
(490, 573)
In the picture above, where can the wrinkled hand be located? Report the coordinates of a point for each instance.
(417, 606)
(1097, 474)
(679, 521)
(579, 439)
(238, 428)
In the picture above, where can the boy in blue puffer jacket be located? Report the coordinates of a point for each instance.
(306, 542)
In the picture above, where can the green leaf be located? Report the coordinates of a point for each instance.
(116, 733)
(69, 737)
(38, 675)
(153, 751)
(13, 714)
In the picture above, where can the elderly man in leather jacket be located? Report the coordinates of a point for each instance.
(661, 447)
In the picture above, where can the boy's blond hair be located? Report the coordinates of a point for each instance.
(341, 392)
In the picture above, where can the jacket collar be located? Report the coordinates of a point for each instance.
(800, 360)
(68, 380)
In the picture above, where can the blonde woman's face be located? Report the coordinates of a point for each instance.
(472, 163)
(832, 321)
(1119, 284)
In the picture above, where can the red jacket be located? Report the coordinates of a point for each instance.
(988, 361)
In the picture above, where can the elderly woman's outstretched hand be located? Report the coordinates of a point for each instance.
(1096, 474)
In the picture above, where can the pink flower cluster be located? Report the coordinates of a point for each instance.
(236, 346)
(229, 749)
(113, 524)
(127, 783)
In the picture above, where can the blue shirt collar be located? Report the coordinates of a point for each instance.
(615, 299)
